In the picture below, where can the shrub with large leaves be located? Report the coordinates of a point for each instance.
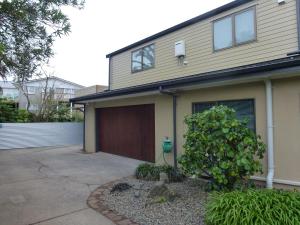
(221, 147)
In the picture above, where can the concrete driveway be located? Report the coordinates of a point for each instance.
(50, 186)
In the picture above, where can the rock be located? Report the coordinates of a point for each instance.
(120, 187)
(161, 193)
(163, 177)
(137, 194)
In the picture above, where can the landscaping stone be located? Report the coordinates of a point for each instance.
(186, 209)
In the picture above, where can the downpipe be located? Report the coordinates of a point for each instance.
(270, 135)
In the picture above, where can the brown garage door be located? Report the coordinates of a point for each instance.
(127, 131)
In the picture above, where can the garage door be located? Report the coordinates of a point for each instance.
(127, 131)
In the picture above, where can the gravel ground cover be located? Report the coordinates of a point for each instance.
(186, 209)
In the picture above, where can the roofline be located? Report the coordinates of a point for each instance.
(189, 22)
(57, 78)
(202, 78)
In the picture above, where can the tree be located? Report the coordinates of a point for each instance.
(28, 30)
(221, 147)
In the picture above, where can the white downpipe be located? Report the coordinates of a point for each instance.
(269, 100)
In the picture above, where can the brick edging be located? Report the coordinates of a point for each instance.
(96, 202)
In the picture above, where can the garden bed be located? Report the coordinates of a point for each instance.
(134, 204)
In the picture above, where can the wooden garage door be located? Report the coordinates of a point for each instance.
(127, 131)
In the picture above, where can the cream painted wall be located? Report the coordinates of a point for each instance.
(276, 36)
(286, 119)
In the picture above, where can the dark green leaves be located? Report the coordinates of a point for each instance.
(251, 207)
(28, 30)
(222, 147)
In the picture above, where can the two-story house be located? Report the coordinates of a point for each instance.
(34, 90)
(244, 54)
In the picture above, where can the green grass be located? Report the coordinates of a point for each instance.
(254, 207)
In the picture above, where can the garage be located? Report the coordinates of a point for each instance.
(127, 131)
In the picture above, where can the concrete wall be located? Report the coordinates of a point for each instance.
(276, 36)
(286, 119)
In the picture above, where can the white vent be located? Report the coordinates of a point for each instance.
(281, 2)
(179, 49)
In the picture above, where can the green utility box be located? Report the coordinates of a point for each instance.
(167, 145)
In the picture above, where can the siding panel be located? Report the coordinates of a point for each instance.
(276, 36)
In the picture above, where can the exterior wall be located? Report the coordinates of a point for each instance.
(286, 97)
(286, 109)
(276, 36)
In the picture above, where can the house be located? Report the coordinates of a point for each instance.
(8, 90)
(90, 90)
(61, 91)
(244, 54)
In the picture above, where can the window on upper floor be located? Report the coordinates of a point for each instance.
(142, 59)
(233, 30)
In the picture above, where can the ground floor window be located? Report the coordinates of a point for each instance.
(244, 108)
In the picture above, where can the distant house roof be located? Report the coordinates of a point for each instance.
(194, 20)
(56, 78)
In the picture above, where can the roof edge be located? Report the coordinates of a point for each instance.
(179, 26)
(208, 77)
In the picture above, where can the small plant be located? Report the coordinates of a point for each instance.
(220, 146)
(147, 171)
(254, 207)
(174, 175)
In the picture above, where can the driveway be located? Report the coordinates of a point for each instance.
(50, 186)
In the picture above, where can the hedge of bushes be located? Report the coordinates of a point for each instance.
(254, 206)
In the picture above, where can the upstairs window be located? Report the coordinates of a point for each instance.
(239, 28)
(142, 59)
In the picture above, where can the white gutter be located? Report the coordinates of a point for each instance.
(270, 144)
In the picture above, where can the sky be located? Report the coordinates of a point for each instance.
(105, 26)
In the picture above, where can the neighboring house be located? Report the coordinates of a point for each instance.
(62, 90)
(90, 90)
(8, 90)
(244, 54)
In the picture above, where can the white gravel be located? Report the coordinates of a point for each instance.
(187, 209)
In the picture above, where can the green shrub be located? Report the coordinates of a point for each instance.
(23, 116)
(174, 175)
(221, 147)
(147, 171)
(254, 207)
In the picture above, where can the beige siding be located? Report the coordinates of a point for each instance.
(276, 36)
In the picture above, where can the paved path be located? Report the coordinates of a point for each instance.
(50, 186)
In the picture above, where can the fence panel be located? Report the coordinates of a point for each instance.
(25, 135)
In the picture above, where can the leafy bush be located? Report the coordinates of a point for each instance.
(23, 116)
(261, 207)
(148, 171)
(221, 147)
(7, 111)
(174, 175)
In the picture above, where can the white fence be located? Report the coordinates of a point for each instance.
(26, 135)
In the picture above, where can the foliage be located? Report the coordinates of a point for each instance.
(221, 147)
(23, 116)
(174, 175)
(27, 33)
(147, 171)
(261, 207)
(7, 110)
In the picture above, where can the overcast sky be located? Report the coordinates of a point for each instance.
(105, 26)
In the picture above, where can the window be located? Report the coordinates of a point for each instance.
(142, 59)
(234, 30)
(31, 90)
(244, 109)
